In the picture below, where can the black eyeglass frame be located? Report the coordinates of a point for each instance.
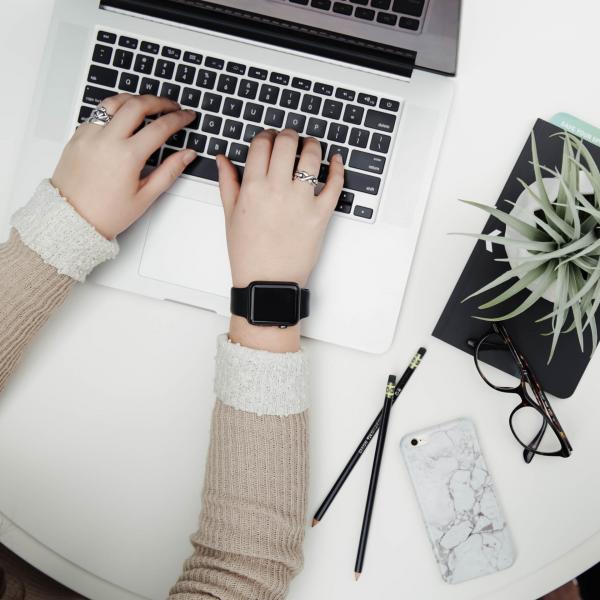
(542, 405)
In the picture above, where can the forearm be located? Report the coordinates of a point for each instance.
(249, 542)
(49, 249)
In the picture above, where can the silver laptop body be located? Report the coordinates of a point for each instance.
(333, 73)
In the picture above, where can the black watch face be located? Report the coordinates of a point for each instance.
(274, 304)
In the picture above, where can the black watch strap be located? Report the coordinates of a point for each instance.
(240, 301)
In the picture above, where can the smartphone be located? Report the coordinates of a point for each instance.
(459, 505)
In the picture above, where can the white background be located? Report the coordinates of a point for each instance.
(103, 430)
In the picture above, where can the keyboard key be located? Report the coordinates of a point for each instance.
(149, 86)
(196, 141)
(185, 74)
(177, 140)
(149, 47)
(268, 93)
(414, 8)
(279, 78)
(227, 84)
(358, 137)
(203, 167)
(337, 133)
(128, 42)
(311, 104)
(257, 73)
(103, 76)
(195, 124)
(206, 79)
(102, 54)
(361, 2)
(129, 82)
(153, 159)
(164, 69)
(323, 149)
(301, 84)
(363, 211)
(232, 107)
(190, 97)
(216, 146)
(386, 18)
(367, 162)
(143, 64)
(367, 99)
(408, 23)
(290, 99)
(382, 4)
(335, 149)
(94, 95)
(238, 68)
(323, 88)
(353, 114)
(332, 109)
(344, 94)
(214, 63)
(238, 152)
(212, 124)
(343, 207)
(296, 122)
(364, 13)
(388, 104)
(380, 142)
(170, 90)
(303, 2)
(212, 102)
(361, 182)
(274, 117)
(346, 198)
(248, 89)
(172, 53)
(233, 129)
(193, 58)
(316, 127)
(251, 131)
(123, 59)
(379, 120)
(253, 112)
(322, 4)
(342, 9)
(106, 37)
(84, 113)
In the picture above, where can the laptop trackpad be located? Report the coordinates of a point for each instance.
(185, 245)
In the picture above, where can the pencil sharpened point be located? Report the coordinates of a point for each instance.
(356, 576)
(315, 522)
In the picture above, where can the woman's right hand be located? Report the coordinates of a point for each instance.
(274, 223)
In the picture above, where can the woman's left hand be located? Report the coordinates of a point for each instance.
(99, 170)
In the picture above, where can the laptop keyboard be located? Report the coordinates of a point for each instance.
(405, 15)
(235, 100)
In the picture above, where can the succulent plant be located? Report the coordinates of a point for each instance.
(558, 243)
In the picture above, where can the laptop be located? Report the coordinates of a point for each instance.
(370, 79)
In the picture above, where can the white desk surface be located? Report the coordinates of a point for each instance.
(106, 421)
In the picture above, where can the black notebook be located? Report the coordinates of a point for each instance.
(457, 325)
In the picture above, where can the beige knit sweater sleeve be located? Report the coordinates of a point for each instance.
(249, 542)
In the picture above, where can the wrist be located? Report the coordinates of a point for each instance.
(272, 339)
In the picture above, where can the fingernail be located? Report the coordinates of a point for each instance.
(218, 160)
(190, 111)
(189, 156)
(337, 158)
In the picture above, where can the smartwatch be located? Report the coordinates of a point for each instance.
(271, 303)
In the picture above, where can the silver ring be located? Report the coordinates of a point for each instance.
(99, 116)
(307, 178)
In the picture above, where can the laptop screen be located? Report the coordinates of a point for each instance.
(392, 36)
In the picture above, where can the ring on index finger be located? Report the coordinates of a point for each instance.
(99, 116)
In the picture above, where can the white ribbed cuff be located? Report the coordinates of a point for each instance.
(265, 383)
(52, 228)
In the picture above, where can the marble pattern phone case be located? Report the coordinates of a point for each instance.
(464, 521)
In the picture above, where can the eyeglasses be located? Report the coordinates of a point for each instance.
(530, 420)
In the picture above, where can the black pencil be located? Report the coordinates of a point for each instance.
(337, 486)
(366, 524)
